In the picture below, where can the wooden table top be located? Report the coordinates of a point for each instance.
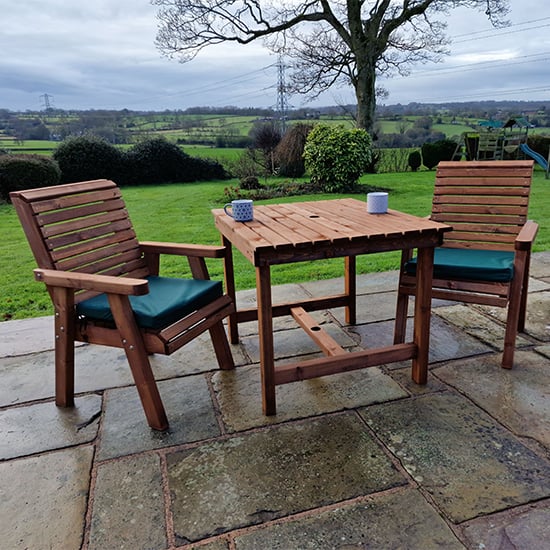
(283, 233)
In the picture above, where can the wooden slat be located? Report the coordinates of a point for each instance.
(328, 345)
(56, 216)
(81, 224)
(314, 368)
(108, 245)
(85, 196)
(473, 190)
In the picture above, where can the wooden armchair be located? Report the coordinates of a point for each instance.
(106, 289)
(485, 259)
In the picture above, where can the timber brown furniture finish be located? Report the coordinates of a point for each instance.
(84, 244)
(486, 202)
(295, 232)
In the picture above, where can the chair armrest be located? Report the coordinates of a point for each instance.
(93, 282)
(527, 235)
(203, 251)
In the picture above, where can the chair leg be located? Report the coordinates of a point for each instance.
(517, 304)
(400, 327)
(512, 322)
(63, 299)
(139, 362)
(221, 346)
(524, 293)
(402, 308)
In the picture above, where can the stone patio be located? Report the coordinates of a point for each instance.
(365, 459)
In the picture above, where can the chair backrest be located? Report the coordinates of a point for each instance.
(485, 202)
(82, 227)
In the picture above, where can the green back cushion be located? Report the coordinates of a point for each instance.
(168, 301)
(461, 263)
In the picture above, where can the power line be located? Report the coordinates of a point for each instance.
(500, 34)
(502, 28)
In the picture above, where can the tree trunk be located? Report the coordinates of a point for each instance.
(365, 92)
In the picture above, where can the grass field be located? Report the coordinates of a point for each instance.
(181, 213)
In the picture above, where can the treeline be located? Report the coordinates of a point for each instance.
(149, 162)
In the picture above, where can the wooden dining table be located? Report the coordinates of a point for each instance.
(317, 230)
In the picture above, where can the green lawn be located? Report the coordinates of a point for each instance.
(181, 213)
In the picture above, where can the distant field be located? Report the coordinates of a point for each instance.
(209, 128)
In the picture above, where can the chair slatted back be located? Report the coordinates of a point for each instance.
(82, 227)
(485, 202)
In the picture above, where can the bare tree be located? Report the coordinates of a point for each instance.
(329, 41)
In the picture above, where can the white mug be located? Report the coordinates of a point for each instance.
(377, 203)
(242, 210)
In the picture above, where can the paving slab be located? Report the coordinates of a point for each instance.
(372, 308)
(269, 474)
(24, 336)
(239, 394)
(518, 398)
(446, 340)
(128, 505)
(468, 463)
(32, 377)
(404, 377)
(524, 528)
(543, 350)
(472, 321)
(43, 426)
(402, 519)
(537, 320)
(366, 284)
(43, 500)
(540, 265)
(189, 408)
(279, 294)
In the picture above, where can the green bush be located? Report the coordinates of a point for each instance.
(250, 182)
(289, 153)
(88, 158)
(415, 160)
(336, 157)
(26, 172)
(154, 161)
(157, 160)
(539, 144)
(434, 153)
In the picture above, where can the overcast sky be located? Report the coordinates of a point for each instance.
(100, 54)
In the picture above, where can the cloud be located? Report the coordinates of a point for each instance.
(101, 54)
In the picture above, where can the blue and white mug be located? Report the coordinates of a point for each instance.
(242, 210)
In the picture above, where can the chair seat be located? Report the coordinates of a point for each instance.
(168, 301)
(462, 263)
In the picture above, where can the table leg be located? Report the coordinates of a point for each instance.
(265, 327)
(351, 289)
(229, 276)
(422, 314)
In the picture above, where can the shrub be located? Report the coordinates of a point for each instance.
(336, 157)
(415, 160)
(266, 137)
(199, 169)
(157, 160)
(539, 144)
(250, 182)
(289, 153)
(154, 161)
(433, 153)
(26, 172)
(248, 163)
(87, 158)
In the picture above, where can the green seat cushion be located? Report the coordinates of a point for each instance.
(169, 300)
(477, 265)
